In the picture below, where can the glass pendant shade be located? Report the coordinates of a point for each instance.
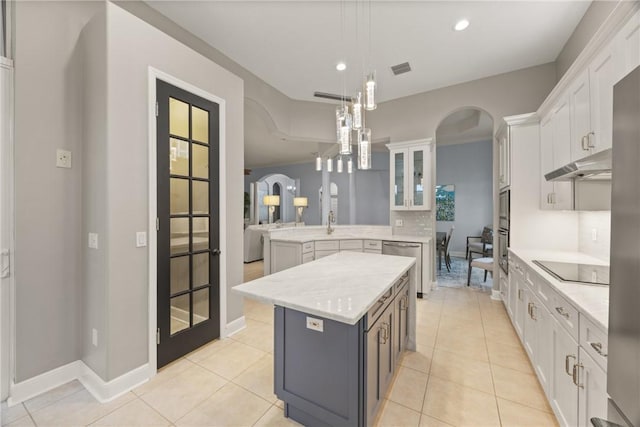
(364, 149)
(329, 165)
(370, 92)
(345, 140)
(349, 166)
(357, 111)
(318, 163)
(339, 165)
(343, 123)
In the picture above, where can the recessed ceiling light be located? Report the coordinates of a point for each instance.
(461, 25)
(341, 66)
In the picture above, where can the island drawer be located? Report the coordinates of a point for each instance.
(327, 245)
(307, 247)
(351, 245)
(373, 244)
(378, 307)
(594, 341)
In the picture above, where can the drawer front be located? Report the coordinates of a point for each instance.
(320, 254)
(378, 307)
(543, 292)
(566, 315)
(373, 244)
(308, 257)
(307, 247)
(327, 245)
(350, 245)
(594, 341)
(372, 251)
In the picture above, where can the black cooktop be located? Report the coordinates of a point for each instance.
(572, 272)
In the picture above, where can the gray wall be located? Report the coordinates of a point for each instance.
(372, 190)
(593, 18)
(48, 201)
(469, 167)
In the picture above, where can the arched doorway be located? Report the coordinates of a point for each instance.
(464, 191)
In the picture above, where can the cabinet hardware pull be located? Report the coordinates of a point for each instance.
(533, 316)
(598, 348)
(383, 333)
(561, 311)
(519, 292)
(589, 139)
(566, 363)
(529, 310)
(582, 141)
(576, 374)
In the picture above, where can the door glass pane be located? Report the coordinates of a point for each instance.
(178, 157)
(200, 306)
(200, 161)
(180, 313)
(199, 125)
(200, 233)
(200, 269)
(179, 235)
(179, 274)
(200, 197)
(399, 179)
(179, 196)
(418, 172)
(178, 118)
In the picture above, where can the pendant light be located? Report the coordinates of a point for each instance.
(318, 162)
(370, 92)
(364, 149)
(339, 164)
(329, 164)
(349, 166)
(357, 111)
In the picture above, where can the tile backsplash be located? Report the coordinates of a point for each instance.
(415, 223)
(601, 223)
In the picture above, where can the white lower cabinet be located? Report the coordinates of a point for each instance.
(285, 255)
(563, 395)
(592, 390)
(567, 350)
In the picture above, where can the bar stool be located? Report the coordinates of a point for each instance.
(485, 263)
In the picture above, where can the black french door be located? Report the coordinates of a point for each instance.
(188, 286)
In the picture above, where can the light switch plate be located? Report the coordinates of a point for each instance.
(141, 239)
(399, 223)
(93, 240)
(63, 158)
(315, 324)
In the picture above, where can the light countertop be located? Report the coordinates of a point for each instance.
(314, 233)
(591, 300)
(341, 287)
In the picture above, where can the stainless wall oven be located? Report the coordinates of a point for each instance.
(503, 230)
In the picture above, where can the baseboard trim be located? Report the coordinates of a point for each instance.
(27, 389)
(103, 391)
(235, 326)
(495, 295)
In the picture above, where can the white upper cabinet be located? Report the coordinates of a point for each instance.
(627, 45)
(555, 152)
(504, 152)
(410, 175)
(602, 77)
(580, 104)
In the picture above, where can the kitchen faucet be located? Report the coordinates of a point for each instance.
(331, 219)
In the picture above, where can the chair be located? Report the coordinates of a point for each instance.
(483, 246)
(485, 263)
(443, 249)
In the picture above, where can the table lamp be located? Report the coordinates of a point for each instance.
(300, 203)
(272, 202)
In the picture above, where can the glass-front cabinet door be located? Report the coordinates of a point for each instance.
(398, 180)
(410, 175)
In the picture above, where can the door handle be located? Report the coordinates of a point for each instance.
(566, 364)
(216, 251)
(589, 140)
(5, 271)
(576, 374)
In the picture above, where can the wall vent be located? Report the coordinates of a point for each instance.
(401, 68)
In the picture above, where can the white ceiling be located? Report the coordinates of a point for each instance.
(294, 45)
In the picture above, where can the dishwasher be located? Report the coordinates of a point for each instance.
(407, 249)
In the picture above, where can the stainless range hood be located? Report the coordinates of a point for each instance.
(594, 167)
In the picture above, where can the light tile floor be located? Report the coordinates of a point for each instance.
(469, 370)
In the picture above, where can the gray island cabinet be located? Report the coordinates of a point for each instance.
(341, 324)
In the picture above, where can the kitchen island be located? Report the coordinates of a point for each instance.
(341, 324)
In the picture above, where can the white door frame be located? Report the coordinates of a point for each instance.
(153, 207)
(7, 229)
